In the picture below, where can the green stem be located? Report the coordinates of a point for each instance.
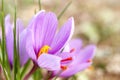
(57, 75)
(48, 75)
(25, 68)
(3, 33)
(4, 61)
(31, 72)
(62, 12)
(39, 2)
(74, 77)
(15, 49)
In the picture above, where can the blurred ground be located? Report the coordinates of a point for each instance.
(96, 21)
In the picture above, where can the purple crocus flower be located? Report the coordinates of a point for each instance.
(21, 34)
(75, 58)
(45, 41)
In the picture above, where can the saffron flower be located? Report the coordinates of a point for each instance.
(75, 58)
(45, 40)
(21, 34)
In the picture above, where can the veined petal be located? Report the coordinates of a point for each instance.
(75, 44)
(74, 69)
(49, 62)
(50, 25)
(22, 47)
(86, 53)
(45, 25)
(31, 24)
(67, 58)
(38, 31)
(64, 55)
(19, 27)
(35, 25)
(9, 38)
(79, 62)
(62, 36)
(29, 45)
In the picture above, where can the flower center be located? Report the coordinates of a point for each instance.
(44, 49)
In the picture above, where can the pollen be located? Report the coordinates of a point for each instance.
(64, 67)
(44, 49)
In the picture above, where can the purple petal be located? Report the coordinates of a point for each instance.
(37, 28)
(86, 54)
(63, 36)
(45, 25)
(9, 38)
(75, 44)
(65, 55)
(74, 69)
(31, 24)
(50, 62)
(50, 25)
(19, 27)
(22, 47)
(29, 45)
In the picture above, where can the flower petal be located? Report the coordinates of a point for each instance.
(64, 56)
(86, 54)
(74, 69)
(29, 45)
(37, 29)
(19, 27)
(50, 62)
(45, 25)
(62, 36)
(22, 47)
(75, 44)
(50, 25)
(9, 38)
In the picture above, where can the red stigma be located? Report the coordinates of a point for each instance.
(72, 50)
(67, 59)
(63, 67)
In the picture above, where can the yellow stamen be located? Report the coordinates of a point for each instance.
(44, 49)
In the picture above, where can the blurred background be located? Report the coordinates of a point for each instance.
(96, 21)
